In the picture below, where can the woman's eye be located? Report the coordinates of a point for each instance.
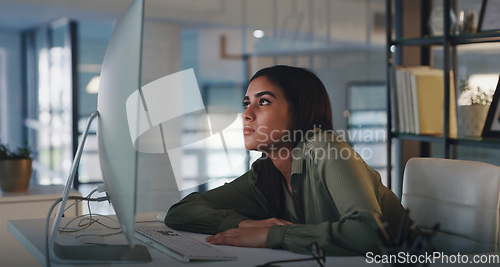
(264, 102)
(246, 104)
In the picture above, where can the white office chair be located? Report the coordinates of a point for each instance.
(463, 196)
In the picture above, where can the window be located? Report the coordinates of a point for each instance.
(366, 123)
(50, 99)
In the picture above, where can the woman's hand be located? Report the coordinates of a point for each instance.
(263, 223)
(241, 237)
(250, 233)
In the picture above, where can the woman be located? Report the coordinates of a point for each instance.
(308, 186)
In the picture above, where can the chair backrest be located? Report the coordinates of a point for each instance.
(463, 196)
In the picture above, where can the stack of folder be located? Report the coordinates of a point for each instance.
(418, 101)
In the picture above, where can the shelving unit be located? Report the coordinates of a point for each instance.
(449, 44)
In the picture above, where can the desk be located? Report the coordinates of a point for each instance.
(30, 233)
(34, 203)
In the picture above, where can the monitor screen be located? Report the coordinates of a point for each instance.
(154, 140)
(120, 77)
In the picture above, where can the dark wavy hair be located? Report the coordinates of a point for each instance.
(306, 94)
(311, 109)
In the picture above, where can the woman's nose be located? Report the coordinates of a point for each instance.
(248, 114)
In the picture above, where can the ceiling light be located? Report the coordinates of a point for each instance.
(93, 85)
(258, 33)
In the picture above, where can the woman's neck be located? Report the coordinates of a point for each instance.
(282, 160)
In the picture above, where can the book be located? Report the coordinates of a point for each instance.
(406, 107)
(418, 101)
(410, 108)
(394, 101)
(402, 99)
(427, 86)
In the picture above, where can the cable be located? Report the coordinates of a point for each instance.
(83, 226)
(81, 200)
(86, 225)
(47, 222)
(100, 188)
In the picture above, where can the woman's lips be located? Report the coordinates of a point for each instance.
(248, 130)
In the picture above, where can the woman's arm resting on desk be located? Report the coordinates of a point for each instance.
(250, 233)
(295, 238)
(216, 210)
(262, 223)
(337, 239)
(242, 237)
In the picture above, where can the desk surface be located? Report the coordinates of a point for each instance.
(30, 233)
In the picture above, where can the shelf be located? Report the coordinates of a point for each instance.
(417, 137)
(460, 140)
(431, 40)
(476, 38)
(482, 37)
(476, 141)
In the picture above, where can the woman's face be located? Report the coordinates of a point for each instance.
(267, 119)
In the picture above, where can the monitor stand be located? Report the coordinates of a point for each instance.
(113, 253)
(101, 253)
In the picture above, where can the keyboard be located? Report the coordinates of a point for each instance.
(181, 247)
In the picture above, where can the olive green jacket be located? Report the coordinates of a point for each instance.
(343, 201)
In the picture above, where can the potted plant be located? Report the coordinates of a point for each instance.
(15, 168)
(473, 105)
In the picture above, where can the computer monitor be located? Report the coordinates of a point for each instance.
(144, 143)
(120, 77)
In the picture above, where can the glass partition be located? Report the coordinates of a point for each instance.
(50, 99)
